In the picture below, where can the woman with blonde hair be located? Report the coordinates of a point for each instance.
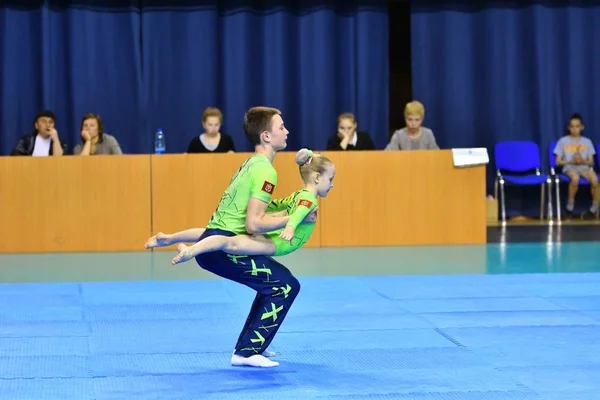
(414, 136)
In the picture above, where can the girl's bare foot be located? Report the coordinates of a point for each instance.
(183, 255)
(158, 240)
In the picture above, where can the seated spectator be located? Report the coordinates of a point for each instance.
(575, 153)
(348, 137)
(44, 141)
(211, 140)
(413, 136)
(94, 140)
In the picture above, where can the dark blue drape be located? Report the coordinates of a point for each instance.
(506, 71)
(159, 64)
(72, 61)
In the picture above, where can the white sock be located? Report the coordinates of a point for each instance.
(266, 353)
(256, 360)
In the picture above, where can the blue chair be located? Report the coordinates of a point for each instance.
(559, 177)
(518, 163)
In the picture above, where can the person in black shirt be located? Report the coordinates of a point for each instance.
(212, 140)
(347, 137)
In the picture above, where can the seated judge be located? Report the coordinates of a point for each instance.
(94, 141)
(211, 140)
(348, 137)
(414, 136)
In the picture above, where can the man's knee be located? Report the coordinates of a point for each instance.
(288, 287)
(295, 284)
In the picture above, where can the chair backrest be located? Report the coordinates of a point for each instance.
(517, 156)
(551, 155)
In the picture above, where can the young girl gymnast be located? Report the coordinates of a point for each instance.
(317, 173)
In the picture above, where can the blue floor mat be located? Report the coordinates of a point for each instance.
(462, 337)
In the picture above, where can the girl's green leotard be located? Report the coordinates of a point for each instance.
(298, 205)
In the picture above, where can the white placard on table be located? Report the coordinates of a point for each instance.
(470, 157)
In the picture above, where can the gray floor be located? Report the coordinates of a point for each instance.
(81, 267)
(485, 259)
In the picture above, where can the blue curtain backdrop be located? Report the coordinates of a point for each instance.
(506, 70)
(144, 65)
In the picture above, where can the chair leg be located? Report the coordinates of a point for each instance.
(558, 206)
(550, 214)
(496, 188)
(542, 196)
(503, 202)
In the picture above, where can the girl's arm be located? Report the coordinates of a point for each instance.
(304, 207)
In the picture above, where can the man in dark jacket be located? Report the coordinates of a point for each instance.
(44, 141)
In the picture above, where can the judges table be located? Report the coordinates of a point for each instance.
(114, 203)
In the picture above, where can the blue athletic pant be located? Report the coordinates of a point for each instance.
(276, 289)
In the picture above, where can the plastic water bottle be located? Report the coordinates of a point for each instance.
(160, 145)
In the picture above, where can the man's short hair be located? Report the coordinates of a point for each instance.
(45, 113)
(257, 120)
